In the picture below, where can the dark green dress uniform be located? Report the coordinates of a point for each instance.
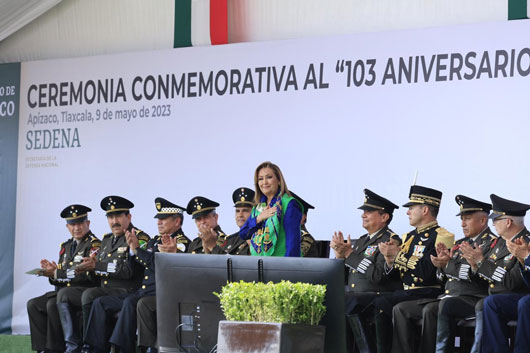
(236, 246)
(243, 197)
(307, 242)
(413, 266)
(44, 317)
(45, 324)
(463, 289)
(365, 266)
(502, 271)
(124, 332)
(146, 307)
(500, 268)
(116, 273)
(200, 206)
(220, 248)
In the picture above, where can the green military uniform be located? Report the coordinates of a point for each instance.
(70, 256)
(307, 243)
(44, 316)
(221, 243)
(200, 206)
(236, 246)
(308, 246)
(113, 268)
(365, 265)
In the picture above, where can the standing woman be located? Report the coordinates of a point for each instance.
(274, 223)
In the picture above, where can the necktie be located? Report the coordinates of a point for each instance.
(72, 248)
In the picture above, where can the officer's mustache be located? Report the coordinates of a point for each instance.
(116, 225)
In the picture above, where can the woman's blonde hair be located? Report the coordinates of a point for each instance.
(279, 175)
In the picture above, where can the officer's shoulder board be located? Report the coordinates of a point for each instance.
(94, 241)
(491, 236)
(446, 237)
(141, 235)
(308, 238)
(181, 239)
(392, 235)
(107, 235)
(63, 246)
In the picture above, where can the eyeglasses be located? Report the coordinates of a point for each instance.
(499, 219)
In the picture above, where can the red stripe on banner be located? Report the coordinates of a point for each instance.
(218, 22)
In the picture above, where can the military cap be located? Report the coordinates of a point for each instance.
(75, 213)
(420, 195)
(469, 205)
(243, 197)
(305, 205)
(166, 208)
(199, 206)
(112, 204)
(504, 207)
(374, 202)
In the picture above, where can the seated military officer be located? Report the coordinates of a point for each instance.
(411, 262)
(508, 219)
(463, 289)
(44, 322)
(211, 239)
(111, 266)
(171, 239)
(243, 202)
(365, 263)
(307, 242)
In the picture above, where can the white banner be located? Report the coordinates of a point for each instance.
(336, 114)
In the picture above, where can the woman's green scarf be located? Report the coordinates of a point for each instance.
(264, 240)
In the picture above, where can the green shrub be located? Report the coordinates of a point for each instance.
(285, 302)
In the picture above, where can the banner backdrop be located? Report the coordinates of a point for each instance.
(9, 98)
(336, 114)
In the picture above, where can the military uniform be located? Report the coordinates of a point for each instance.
(366, 279)
(505, 275)
(45, 325)
(146, 306)
(413, 266)
(307, 243)
(463, 289)
(114, 270)
(44, 316)
(236, 246)
(125, 305)
(308, 246)
(221, 243)
(200, 206)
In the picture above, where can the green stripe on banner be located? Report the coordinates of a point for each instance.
(9, 98)
(182, 35)
(517, 9)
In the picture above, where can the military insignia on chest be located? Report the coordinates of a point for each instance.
(493, 257)
(508, 258)
(418, 251)
(122, 249)
(370, 250)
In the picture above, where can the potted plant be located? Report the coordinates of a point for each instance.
(272, 317)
